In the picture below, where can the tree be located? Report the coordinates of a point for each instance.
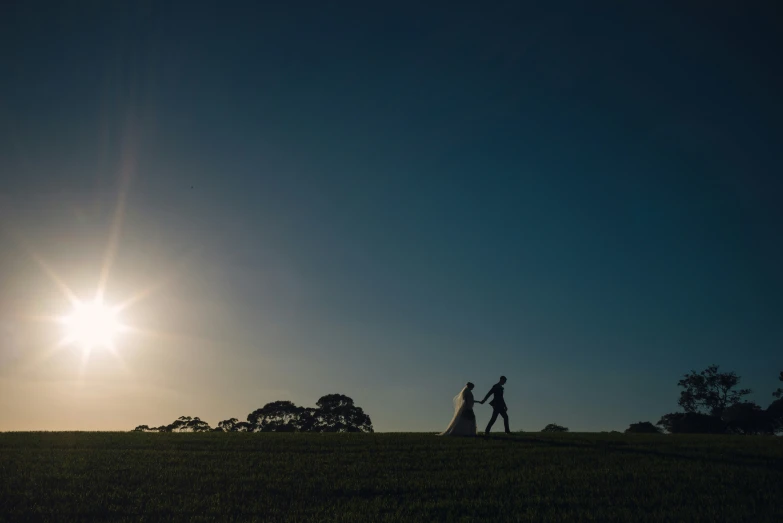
(779, 393)
(692, 423)
(332, 402)
(337, 413)
(244, 426)
(278, 416)
(710, 391)
(181, 424)
(228, 425)
(747, 418)
(554, 427)
(334, 413)
(775, 415)
(307, 420)
(197, 425)
(643, 427)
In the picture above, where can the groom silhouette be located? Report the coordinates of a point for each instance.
(498, 405)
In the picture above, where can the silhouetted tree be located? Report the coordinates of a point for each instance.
(228, 425)
(643, 427)
(181, 424)
(692, 423)
(307, 420)
(278, 416)
(710, 391)
(775, 415)
(779, 393)
(554, 427)
(747, 418)
(334, 413)
(244, 426)
(337, 413)
(197, 425)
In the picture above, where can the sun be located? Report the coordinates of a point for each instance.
(91, 325)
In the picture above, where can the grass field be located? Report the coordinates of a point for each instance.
(388, 477)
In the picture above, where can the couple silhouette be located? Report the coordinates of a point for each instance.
(464, 421)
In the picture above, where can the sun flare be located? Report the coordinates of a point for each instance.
(92, 324)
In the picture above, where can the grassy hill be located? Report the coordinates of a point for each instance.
(388, 477)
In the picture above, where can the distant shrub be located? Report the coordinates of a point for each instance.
(643, 427)
(692, 423)
(554, 427)
(775, 413)
(748, 418)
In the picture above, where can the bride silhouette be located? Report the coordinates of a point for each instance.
(464, 421)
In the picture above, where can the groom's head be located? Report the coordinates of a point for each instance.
(502, 380)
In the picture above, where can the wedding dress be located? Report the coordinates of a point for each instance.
(464, 421)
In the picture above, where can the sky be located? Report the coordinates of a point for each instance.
(388, 200)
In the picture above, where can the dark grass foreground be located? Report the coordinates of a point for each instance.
(394, 477)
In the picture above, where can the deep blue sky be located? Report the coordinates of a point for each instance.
(390, 201)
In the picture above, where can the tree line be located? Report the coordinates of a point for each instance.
(333, 413)
(713, 403)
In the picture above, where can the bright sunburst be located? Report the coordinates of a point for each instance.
(92, 325)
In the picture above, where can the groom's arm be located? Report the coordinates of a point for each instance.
(490, 393)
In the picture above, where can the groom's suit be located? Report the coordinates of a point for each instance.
(498, 407)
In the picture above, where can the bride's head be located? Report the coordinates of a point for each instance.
(470, 386)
